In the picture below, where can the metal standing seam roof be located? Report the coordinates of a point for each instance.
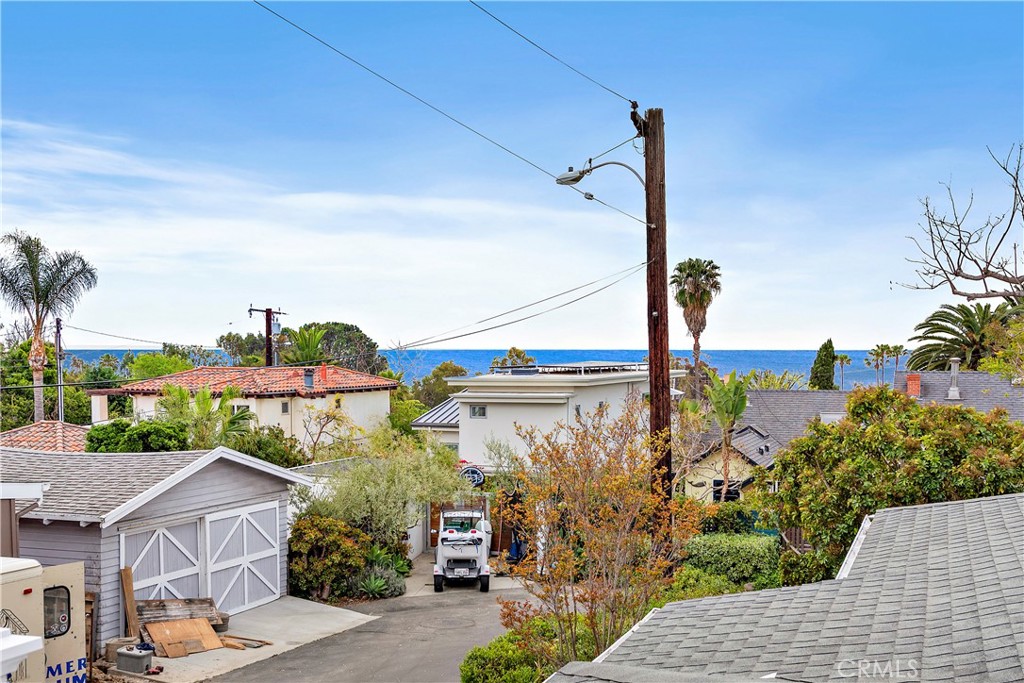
(261, 381)
(934, 588)
(444, 415)
(979, 390)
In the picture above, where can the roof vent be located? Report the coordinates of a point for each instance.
(954, 379)
(307, 377)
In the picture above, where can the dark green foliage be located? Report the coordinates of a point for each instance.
(270, 443)
(325, 556)
(809, 567)
(967, 332)
(732, 517)
(514, 356)
(741, 558)
(104, 376)
(823, 369)
(148, 436)
(379, 582)
(403, 413)
(241, 349)
(690, 583)
(500, 661)
(16, 404)
(349, 347)
(196, 355)
(889, 452)
(432, 389)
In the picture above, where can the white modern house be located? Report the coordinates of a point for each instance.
(278, 396)
(488, 407)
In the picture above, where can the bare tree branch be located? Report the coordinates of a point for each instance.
(976, 263)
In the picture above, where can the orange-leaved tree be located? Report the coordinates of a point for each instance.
(601, 541)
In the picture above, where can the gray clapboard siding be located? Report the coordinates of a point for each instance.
(282, 535)
(220, 483)
(110, 618)
(60, 543)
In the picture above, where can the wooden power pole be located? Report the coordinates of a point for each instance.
(657, 292)
(268, 349)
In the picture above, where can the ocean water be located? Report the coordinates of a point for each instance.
(417, 363)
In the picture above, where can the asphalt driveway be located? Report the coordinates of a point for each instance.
(420, 637)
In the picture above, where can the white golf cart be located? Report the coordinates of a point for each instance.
(463, 545)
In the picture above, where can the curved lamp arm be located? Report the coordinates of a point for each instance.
(572, 177)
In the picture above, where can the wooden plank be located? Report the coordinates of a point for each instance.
(128, 590)
(251, 640)
(174, 650)
(232, 644)
(177, 609)
(169, 632)
(194, 645)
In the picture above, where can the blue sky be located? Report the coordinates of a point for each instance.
(206, 156)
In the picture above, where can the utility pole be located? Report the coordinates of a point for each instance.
(269, 334)
(653, 131)
(59, 352)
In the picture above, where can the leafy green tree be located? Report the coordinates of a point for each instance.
(211, 422)
(149, 365)
(842, 360)
(728, 401)
(102, 375)
(823, 369)
(269, 443)
(889, 451)
(350, 347)
(403, 413)
(432, 389)
(16, 397)
(696, 282)
(305, 346)
(41, 285)
(195, 354)
(962, 331)
(1008, 359)
(514, 356)
(767, 379)
(240, 348)
(146, 436)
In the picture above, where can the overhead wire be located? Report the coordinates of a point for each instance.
(549, 54)
(437, 109)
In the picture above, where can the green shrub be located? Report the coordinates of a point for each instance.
(503, 660)
(690, 583)
(739, 557)
(379, 582)
(325, 556)
(732, 517)
(270, 443)
(148, 436)
(373, 586)
(809, 567)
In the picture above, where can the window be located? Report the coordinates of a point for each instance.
(478, 411)
(56, 611)
(284, 407)
(578, 411)
(238, 409)
(732, 494)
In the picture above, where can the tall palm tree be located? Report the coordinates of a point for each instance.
(874, 360)
(963, 331)
(41, 285)
(897, 350)
(842, 360)
(696, 282)
(210, 422)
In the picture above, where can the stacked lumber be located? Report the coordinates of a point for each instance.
(182, 637)
(150, 611)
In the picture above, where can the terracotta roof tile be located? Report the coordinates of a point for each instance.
(257, 382)
(48, 435)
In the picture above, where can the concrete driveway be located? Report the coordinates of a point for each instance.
(420, 637)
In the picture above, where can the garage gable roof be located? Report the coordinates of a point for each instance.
(105, 487)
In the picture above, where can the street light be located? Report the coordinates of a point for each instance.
(652, 128)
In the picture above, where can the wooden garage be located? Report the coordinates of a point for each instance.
(191, 524)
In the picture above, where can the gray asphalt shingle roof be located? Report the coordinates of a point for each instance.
(786, 414)
(939, 588)
(87, 486)
(979, 390)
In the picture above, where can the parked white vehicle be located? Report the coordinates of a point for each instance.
(463, 546)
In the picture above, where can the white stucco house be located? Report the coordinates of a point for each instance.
(278, 396)
(488, 407)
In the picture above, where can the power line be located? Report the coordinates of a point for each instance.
(566, 65)
(135, 339)
(437, 109)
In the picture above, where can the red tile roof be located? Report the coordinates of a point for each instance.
(260, 382)
(48, 435)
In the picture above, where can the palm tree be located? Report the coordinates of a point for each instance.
(696, 282)
(305, 346)
(897, 350)
(842, 360)
(41, 285)
(210, 422)
(767, 379)
(963, 331)
(728, 401)
(874, 360)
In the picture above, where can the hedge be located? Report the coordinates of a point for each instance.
(741, 558)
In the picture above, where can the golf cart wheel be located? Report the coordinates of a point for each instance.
(485, 584)
(438, 583)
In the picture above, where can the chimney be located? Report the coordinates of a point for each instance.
(914, 385)
(323, 373)
(307, 377)
(954, 378)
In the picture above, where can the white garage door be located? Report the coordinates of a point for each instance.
(243, 558)
(164, 561)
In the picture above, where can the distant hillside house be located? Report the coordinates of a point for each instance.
(488, 407)
(278, 395)
(48, 435)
